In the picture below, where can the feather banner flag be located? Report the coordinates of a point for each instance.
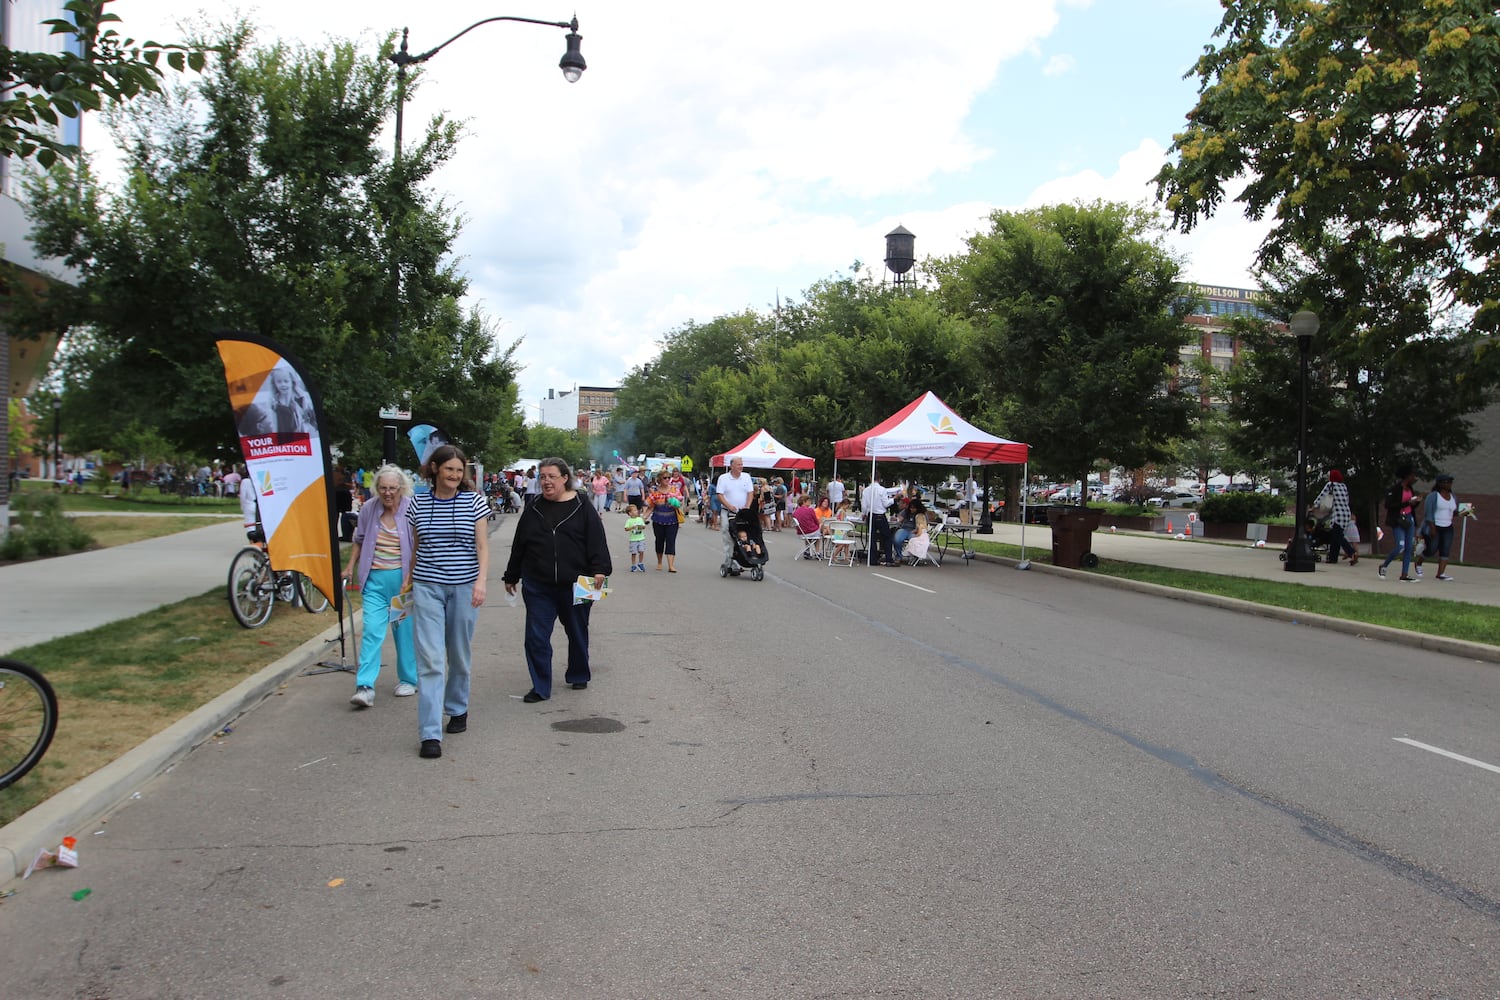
(280, 418)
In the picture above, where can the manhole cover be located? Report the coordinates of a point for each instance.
(593, 724)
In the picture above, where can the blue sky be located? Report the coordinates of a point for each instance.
(716, 155)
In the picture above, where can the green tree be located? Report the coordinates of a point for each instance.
(554, 442)
(1384, 387)
(1078, 317)
(259, 200)
(1368, 120)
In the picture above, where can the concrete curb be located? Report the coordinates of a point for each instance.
(81, 804)
(1434, 643)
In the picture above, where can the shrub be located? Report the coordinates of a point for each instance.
(42, 529)
(1241, 507)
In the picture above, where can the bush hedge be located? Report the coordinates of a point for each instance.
(1230, 508)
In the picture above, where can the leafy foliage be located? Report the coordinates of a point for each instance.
(1230, 508)
(43, 87)
(258, 201)
(1078, 315)
(1384, 387)
(1375, 120)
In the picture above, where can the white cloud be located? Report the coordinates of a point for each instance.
(1058, 66)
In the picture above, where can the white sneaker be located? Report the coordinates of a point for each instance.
(1445, 577)
(363, 698)
(1419, 572)
(405, 690)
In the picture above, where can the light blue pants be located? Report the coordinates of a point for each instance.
(443, 628)
(380, 586)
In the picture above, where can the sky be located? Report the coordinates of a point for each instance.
(717, 156)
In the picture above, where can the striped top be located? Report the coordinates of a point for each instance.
(387, 548)
(445, 537)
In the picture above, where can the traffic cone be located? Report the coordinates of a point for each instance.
(1169, 526)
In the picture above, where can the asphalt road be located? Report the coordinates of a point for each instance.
(957, 782)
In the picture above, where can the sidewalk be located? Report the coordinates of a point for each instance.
(1471, 584)
(49, 598)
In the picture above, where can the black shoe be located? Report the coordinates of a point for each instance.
(431, 748)
(579, 687)
(458, 723)
(531, 698)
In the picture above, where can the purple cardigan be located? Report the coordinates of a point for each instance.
(369, 520)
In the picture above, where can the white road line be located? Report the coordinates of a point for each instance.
(1447, 753)
(903, 583)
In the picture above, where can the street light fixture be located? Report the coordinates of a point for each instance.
(1300, 556)
(572, 65)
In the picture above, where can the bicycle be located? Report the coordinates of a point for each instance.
(254, 588)
(28, 719)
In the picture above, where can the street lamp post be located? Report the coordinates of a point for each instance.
(56, 439)
(572, 66)
(1300, 557)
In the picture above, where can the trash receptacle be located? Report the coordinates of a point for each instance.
(1073, 535)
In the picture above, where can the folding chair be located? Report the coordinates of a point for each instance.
(812, 545)
(841, 544)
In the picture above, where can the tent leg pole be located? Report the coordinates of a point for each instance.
(1025, 495)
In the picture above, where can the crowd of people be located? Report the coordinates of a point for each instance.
(421, 556)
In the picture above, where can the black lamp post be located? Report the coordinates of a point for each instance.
(1300, 557)
(572, 66)
(56, 439)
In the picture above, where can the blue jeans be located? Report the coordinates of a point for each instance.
(547, 604)
(899, 540)
(380, 586)
(1401, 534)
(443, 629)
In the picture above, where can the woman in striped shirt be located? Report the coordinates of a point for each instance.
(448, 584)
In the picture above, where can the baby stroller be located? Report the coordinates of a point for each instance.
(743, 554)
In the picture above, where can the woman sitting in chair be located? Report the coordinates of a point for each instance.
(911, 524)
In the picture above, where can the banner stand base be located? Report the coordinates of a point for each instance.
(331, 666)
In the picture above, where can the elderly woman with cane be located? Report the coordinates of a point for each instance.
(378, 565)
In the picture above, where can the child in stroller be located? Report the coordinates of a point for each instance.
(749, 549)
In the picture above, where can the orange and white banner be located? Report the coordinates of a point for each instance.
(279, 421)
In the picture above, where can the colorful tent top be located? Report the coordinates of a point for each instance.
(926, 430)
(761, 451)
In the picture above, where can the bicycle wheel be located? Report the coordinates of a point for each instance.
(28, 719)
(252, 590)
(313, 601)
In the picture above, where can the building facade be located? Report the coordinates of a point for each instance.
(584, 408)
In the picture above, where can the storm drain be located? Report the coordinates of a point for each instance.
(593, 724)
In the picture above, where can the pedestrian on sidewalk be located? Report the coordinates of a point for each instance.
(379, 565)
(450, 524)
(1335, 501)
(1440, 512)
(558, 538)
(1400, 505)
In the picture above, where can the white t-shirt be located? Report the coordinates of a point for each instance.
(735, 492)
(1443, 511)
(835, 492)
(876, 499)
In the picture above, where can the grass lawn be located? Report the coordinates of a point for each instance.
(111, 531)
(149, 499)
(1431, 616)
(121, 683)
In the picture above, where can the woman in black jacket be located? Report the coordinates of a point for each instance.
(559, 538)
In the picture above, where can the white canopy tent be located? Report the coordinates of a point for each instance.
(928, 431)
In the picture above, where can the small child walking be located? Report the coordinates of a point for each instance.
(635, 530)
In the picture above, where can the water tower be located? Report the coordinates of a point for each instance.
(900, 255)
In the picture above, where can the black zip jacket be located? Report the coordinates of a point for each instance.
(556, 542)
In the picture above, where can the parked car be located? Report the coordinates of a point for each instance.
(1176, 498)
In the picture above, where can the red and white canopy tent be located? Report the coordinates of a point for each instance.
(761, 451)
(928, 431)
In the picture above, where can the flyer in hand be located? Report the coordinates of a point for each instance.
(400, 606)
(585, 591)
